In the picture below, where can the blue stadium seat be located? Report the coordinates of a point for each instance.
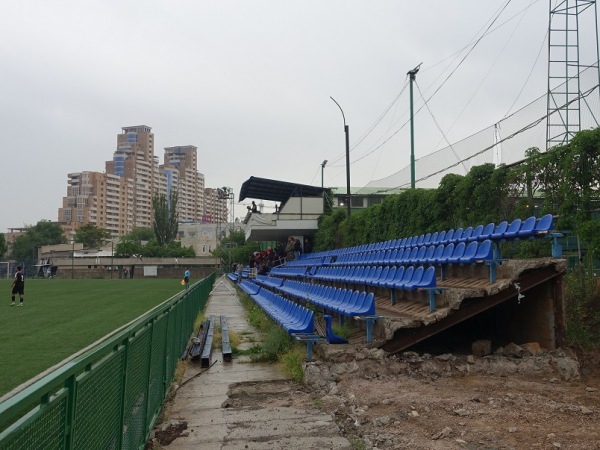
(415, 279)
(457, 235)
(439, 252)
(440, 238)
(485, 252)
(427, 256)
(476, 233)
(397, 278)
(544, 225)
(527, 227)
(389, 276)
(466, 234)
(459, 251)
(498, 233)
(449, 237)
(448, 250)
(487, 231)
(408, 273)
(470, 252)
(513, 229)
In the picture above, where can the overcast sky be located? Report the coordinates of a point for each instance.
(249, 84)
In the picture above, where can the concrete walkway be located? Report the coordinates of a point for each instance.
(211, 426)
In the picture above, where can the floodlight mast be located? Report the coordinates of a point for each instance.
(413, 76)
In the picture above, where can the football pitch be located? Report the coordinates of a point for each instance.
(61, 317)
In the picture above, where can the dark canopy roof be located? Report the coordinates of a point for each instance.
(277, 191)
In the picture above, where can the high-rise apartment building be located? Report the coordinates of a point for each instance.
(120, 199)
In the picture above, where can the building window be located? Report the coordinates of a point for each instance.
(357, 202)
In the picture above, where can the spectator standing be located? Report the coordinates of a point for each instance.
(289, 249)
(18, 286)
(297, 248)
(307, 246)
(186, 277)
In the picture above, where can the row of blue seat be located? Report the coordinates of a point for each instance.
(390, 277)
(345, 302)
(460, 253)
(292, 317)
(517, 229)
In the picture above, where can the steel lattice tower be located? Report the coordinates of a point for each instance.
(564, 97)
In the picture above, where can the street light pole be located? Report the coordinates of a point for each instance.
(112, 257)
(347, 132)
(322, 169)
(73, 260)
(412, 74)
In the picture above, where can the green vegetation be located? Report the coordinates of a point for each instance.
(165, 217)
(278, 345)
(234, 248)
(91, 236)
(42, 233)
(61, 317)
(563, 181)
(3, 245)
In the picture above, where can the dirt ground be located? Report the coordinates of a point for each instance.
(417, 401)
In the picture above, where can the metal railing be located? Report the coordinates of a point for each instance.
(109, 396)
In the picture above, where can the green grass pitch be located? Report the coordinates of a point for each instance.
(61, 317)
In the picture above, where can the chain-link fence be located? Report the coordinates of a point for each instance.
(110, 396)
(502, 143)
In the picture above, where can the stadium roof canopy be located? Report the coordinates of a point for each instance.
(277, 191)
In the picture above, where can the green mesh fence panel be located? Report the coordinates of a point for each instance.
(113, 393)
(157, 367)
(98, 405)
(43, 430)
(136, 399)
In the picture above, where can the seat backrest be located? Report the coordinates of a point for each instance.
(545, 224)
(413, 254)
(457, 235)
(485, 251)
(428, 254)
(459, 250)
(417, 275)
(399, 274)
(470, 252)
(420, 239)
(500, 229)
(476, 233)
(391, 273)
(434, 238)
(441, 237)
(439, 252)
(428, 279)
(527, 226)
(488, 230)
(448, 250)
(408, 273)
(449, 236)
(384, 273)
(421, 252)
(514, 227)
(466, 234)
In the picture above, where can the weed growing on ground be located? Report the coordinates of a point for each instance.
(291, 362)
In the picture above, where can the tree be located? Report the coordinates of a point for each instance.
(91, 236)
(43, 233)
(165, 217)
(3, 245)
(140, 234)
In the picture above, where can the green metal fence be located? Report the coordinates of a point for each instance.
(110, 396)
